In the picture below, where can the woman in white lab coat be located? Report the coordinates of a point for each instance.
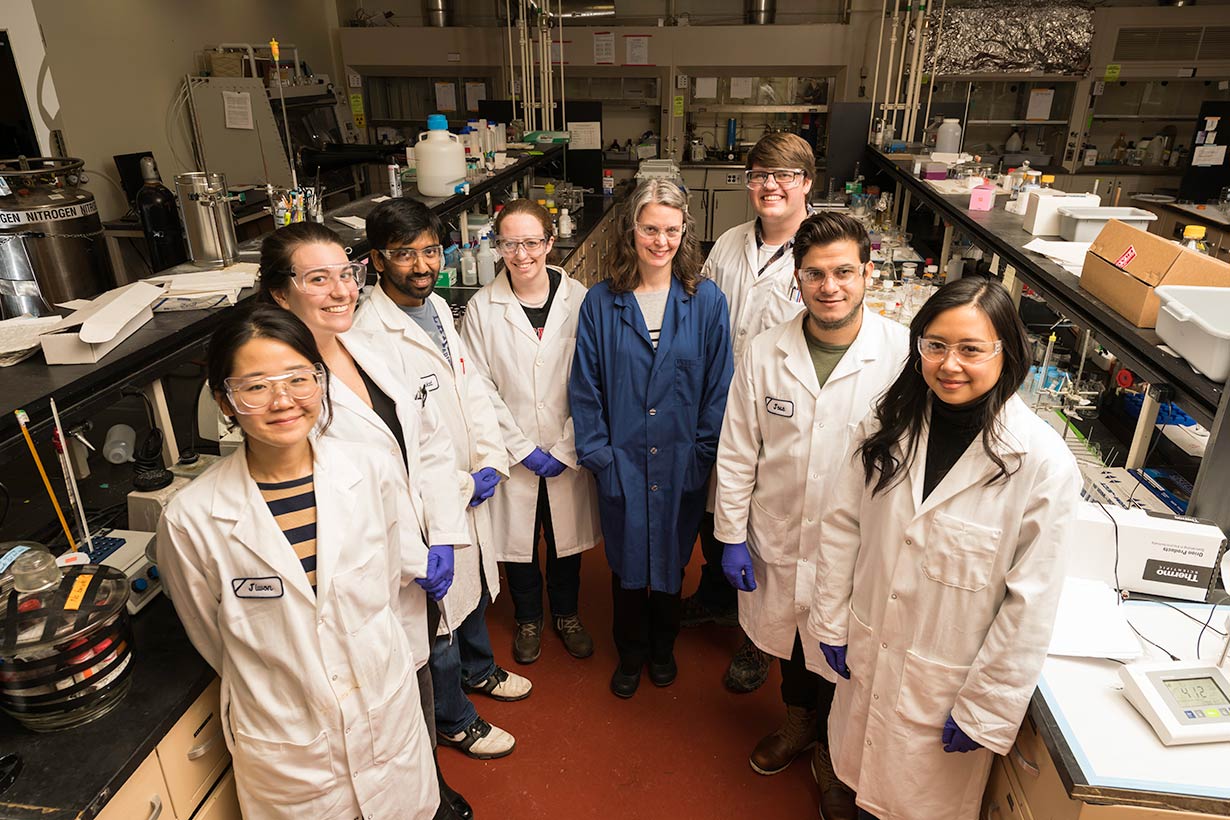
(940, 564)
(304, 269)
(285, 562)
(521, 332)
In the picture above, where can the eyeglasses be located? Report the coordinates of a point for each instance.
(508, 247)
(324, 278)
(784, 177)
(254, 395)
(933, 350)
(842, 276)
(408, 256)
(652, 232)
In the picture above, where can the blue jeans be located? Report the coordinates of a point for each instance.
(466, 658)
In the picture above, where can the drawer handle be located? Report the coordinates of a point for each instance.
(1031, 768)
(155, 808)
(204, 746)
(993, 810)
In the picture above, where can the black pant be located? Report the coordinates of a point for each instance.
(715, 592)
(563, 574)
(804, 688)
(427, 694)
(646, 623)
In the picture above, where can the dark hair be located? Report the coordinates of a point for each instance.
(827, 227)
(401, 220)
(279, 247)
(257, 320)
(783, 150)
(625, 272)
(902, 409)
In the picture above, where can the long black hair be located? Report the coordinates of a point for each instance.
(257, 320)
(902, 410)
(278, 248)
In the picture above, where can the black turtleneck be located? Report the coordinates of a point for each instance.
(952, 430)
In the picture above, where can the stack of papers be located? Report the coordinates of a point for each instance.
(19, 337)
(356, 222)
(1071, 255)
(204, 290)
(1090, 623)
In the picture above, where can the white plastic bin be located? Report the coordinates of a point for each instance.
(1195, 322)
(1084, 224)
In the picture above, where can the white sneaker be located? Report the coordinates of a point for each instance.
(480, 740)
(502, 685)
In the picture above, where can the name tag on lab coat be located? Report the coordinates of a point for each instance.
(270, 587)
(779, 407)
(430, 381)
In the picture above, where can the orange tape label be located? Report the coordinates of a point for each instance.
(77, 593)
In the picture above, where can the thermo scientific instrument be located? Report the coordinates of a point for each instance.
(1184, 702)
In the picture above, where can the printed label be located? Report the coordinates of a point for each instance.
(1127, 257)
(77, 593)
(268, 587)
(62, 213)
(1170, 572)
(779, 407)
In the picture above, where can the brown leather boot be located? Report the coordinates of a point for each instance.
(836, 798)
(775, 752)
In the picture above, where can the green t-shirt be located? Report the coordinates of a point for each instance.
(824, 357)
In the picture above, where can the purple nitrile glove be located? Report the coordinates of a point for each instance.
(836, 657)
(439, 571)
(553, 467)
(956, 740)
(536, 461)
(484, 485)
(737, 567)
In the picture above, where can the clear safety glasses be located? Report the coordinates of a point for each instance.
(784, 177)
(508, 247)
(405, 257)
(933, 350)
(250, 396)
(324, 278)
(652, 232)
(842, 276)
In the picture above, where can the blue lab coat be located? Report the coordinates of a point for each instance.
(647, 423)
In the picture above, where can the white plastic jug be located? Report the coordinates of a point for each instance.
(440, 158)
(948, 137)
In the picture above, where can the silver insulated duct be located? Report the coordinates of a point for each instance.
(436, 13)
(760, 12)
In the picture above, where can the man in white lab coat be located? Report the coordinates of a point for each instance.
(753, 265)
(406, 250)
(799, 391)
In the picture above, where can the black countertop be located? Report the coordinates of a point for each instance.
(1002, 232)
(73, 773)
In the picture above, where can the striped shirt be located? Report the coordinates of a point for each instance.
(293, 504)
(653, 310)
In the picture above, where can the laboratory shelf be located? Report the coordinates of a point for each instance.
(725, 108)
(1017, 122)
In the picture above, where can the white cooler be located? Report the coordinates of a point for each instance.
(1195, 322)
(1042, 209)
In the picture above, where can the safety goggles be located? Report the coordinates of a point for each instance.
(404, 257)
(842, 276)
(508, 247)
(652, 232)
(324, 279)
(253, 395)
(935, 351)
(784, 177)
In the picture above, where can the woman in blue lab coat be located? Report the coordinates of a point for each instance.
(648, 391)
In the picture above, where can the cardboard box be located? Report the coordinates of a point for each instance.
(93, 331)
(1124, 265)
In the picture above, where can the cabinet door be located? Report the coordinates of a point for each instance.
(223, 802)
(1030, 764)
(1002, 800)
(193, 754)
(143, 797)
(729, 210)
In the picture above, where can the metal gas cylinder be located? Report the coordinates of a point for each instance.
(51, 239)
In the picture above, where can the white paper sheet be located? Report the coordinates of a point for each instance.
(604, 48)
(1208, 155)
(1065, 253)
(742, 88)
(1091, 624)
(586, 136)
(1040, 100)
(636, 49)
(356, 222)
(237, 109)
(446, 97)
(474, 93)
(19, 337)
(706, 88)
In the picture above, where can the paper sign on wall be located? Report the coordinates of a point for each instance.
(636, 49)
(474, 93)
(741, 88)
(1209, 155)
(1040, 100)
(586, 136)
(237, 106)
(353, 78)
(356, 110)
(678, 106)
(1112, 72)
(706, 87)
(604, 48)
(446, 97)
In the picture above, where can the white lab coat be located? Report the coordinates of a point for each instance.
(776, 463)
(432, 470)
(947, 606)
(464, 405)
(320, 699)
(757, 303)
(527, 379)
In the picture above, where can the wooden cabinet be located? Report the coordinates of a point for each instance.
(144, 797)
(223, 802)
(729, 209)
(588, 261)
